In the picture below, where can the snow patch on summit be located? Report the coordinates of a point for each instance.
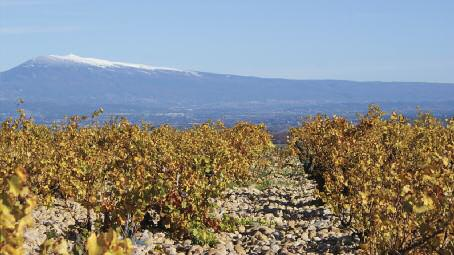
(112, 64)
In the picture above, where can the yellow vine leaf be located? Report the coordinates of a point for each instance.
(92, 245)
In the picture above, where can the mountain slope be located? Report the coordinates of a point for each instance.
(76, 81)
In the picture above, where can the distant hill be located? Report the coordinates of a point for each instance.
(51, 84)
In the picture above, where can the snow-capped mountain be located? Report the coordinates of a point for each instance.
(60, 81)
(72, 59)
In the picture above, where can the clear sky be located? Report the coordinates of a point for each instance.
(389, 40)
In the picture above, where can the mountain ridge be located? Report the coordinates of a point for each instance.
(108, 63)
(74, 82)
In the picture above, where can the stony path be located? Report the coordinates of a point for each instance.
(297, 221)
(280, 215)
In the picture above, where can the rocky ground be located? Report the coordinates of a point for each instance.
(280, 214)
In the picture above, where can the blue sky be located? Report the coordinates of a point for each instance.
(389, 40)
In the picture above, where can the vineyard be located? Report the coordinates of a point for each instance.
(122, 170)
(388, 180)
